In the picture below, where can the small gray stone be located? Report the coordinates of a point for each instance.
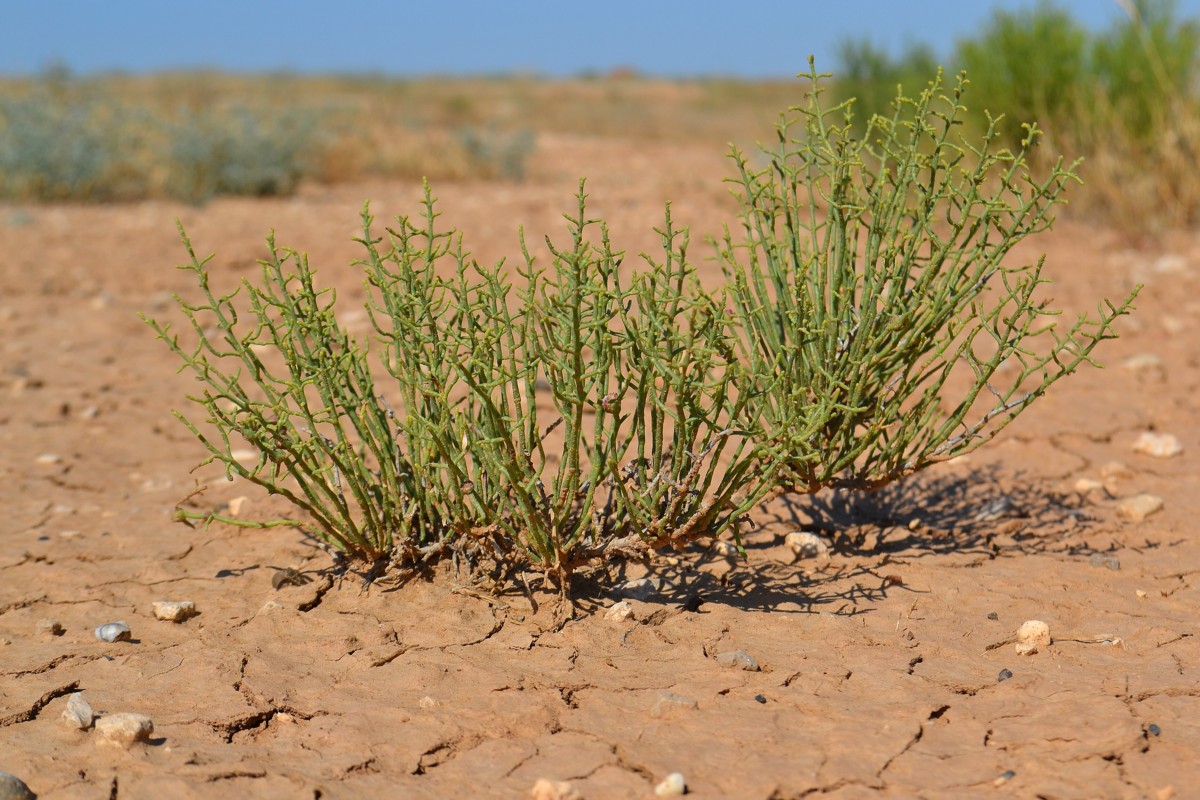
(124, 730)
(13, 788)
(114, 632)
(669, 701)
(738, 659)
(78, 714)
(1107, 562)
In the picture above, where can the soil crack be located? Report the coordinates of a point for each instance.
(43, 701)
(260, 720)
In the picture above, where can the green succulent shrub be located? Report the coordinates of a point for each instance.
(574, 410)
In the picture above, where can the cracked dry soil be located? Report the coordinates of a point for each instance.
(876, 679)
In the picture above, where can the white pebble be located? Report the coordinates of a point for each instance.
(1085, 485)
(49, 458)
(124, 730)
(1138, 507)
(672, 786)
(668, 702)
(427, 702)
(807, 545)
(739, 659)
(1143, 361)
(726, 549)
(640, 588)
(1159, 445)
(1032, 636)
(174, 611)
(1115, 470)
(114, 632)
(546, 789)
(78, 714)
(619, 612)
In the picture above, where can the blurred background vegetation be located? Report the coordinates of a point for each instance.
(1124, 99)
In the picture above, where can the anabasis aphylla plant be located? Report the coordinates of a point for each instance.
(575, 409)
(871, 274)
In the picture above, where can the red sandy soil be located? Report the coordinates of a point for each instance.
(876, 675)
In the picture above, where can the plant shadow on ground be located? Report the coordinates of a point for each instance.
(975, 516)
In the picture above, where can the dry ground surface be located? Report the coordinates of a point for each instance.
(876, 678)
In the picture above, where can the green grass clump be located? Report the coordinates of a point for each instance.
(1125, 99)
(577, 409)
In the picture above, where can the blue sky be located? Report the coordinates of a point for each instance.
(748, 38)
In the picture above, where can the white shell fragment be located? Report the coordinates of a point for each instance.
(807, 545)
(672, 786)
(174, 611)
(546, 789)
(619, 612)
(1032, 636)
(1159, 445)
(123, 730)
(114, 632)
(78, 714)
(1138, 507)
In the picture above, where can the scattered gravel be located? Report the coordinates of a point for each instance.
(123, 730)
(114, 632)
